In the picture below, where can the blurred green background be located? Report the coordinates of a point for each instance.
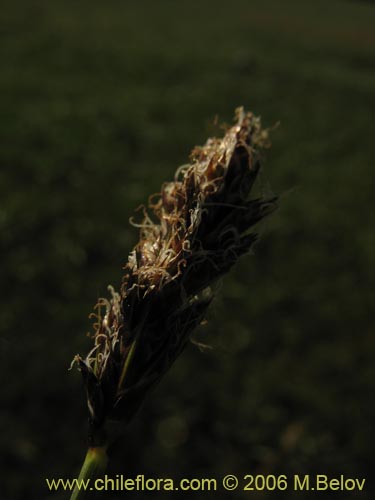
(100, 102)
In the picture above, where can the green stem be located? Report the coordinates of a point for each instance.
(95, 464)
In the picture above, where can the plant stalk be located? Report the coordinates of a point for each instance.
(95, 464)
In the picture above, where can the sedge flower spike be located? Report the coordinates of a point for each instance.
(191, 234)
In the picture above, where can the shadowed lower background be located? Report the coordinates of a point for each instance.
(100, 102)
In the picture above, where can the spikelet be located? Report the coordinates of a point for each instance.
(191, 234)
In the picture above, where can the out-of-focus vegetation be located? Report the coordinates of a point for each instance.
(100, 102)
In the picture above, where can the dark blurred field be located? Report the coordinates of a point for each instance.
(100, 102)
